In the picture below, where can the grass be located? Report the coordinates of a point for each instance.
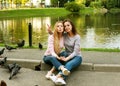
(101, 49)
(33, 12)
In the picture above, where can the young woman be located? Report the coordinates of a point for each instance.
(72, 55)
(55, 45)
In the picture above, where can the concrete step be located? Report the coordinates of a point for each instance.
(26, 63)
(106, 67)
(29, 63)
(83, 66)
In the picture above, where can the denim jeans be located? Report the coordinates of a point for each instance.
(51, 60)
(72, 63)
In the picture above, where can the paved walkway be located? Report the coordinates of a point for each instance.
(29, 77)
(88, 56)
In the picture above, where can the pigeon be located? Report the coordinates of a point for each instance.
(14, 71)
(2, 51)
(2, 62)
(38, 67)
(10, 66)
(3, 83)
(40, 46)
(9, 47)
(21, 44)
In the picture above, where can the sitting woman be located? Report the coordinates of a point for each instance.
(52, 54)
(72, 57)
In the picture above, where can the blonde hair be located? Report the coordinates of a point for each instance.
(57, 48)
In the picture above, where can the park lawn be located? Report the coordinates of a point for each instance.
(33, 12)
(41, 12)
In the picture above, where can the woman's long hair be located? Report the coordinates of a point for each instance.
(56, 36)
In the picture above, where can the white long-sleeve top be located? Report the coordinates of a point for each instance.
(50, 48)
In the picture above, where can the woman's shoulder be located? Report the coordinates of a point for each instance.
(50, 37)
(77, 36)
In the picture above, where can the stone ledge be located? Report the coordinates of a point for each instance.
(29, 63)
(107, 67)
(83, 66)
(26, 63)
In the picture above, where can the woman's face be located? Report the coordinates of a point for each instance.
(60, 27)
(67, 26)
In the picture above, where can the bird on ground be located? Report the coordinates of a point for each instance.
(14, 71)
(21, 44)
(2, 51)
(10, 66)
(38, 67)
(9, 47)
(3, 83)
(3, 61)
(40, 46)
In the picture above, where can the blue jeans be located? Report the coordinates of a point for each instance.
(72, 63)
(51, 60)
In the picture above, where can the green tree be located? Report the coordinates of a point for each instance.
(72, 7)
(60, 3)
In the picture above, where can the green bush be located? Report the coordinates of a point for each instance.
(96, 4)
(110, 5)
(72, 7)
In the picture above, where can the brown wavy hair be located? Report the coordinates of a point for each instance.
(74, 31)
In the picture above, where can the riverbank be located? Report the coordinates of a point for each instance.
(56, 12)
(34, 12)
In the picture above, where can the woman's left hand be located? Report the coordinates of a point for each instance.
(64, 59)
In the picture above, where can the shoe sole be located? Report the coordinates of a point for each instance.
(58, 83)
(66, 72)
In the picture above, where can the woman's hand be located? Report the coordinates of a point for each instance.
(49, 29)
(58, 58)
(64, 58)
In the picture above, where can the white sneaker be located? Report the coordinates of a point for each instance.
(65, 71)
(53, 78)
(48, 75)
(60, 81)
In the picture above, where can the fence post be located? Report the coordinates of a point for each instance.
(30, 34)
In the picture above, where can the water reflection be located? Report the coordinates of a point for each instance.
(97, 31)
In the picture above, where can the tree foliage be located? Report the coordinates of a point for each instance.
(72, 7)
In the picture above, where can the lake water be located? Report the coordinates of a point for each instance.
(96, 31)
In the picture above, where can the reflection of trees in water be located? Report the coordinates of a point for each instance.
(75, 15)
(1, 36)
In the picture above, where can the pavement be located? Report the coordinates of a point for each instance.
(98, 69)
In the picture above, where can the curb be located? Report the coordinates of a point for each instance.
(29, 63)
(107, 67)
(26, 63)
(83, 66)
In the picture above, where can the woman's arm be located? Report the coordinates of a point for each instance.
(49, 30)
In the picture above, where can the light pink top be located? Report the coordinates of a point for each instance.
(50, 48)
